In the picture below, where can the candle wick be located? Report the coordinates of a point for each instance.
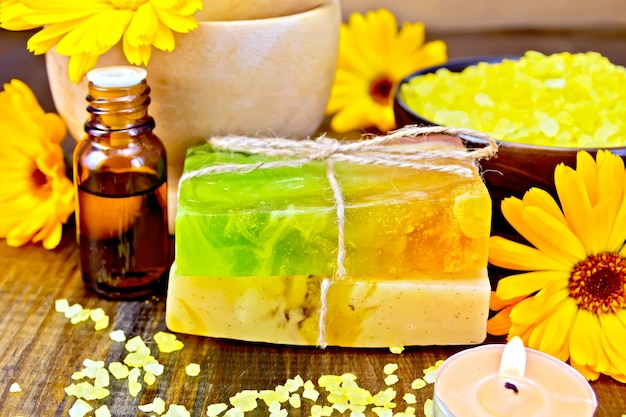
(511, 386)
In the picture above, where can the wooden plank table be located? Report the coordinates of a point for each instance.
(40, 348)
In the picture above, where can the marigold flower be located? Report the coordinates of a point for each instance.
(373, 57)
(572, 301)
(36, 197)
(86, 29)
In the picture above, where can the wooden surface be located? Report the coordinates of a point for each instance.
(40, 349)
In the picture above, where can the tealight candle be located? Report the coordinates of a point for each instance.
(510, 381)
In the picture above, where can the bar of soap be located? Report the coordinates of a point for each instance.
(429, 309)
(254, 251)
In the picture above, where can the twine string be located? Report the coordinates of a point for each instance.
(376, 150)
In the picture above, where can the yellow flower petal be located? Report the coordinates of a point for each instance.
(556, 338)
(512, 255)
(500, 324)
(521, 285)
(543, 231)
(535, 309)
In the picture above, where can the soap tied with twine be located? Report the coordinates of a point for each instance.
(393, 150)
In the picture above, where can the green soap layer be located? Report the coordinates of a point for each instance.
(282, 221)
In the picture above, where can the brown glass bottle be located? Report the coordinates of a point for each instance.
(121, 191)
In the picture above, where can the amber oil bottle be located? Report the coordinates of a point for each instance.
(120, 175)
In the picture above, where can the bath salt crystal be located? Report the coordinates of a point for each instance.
(167, 342)
(157, 406)
(409, 398)
(61, 305)
(295, 400)
(154, 367)
(214, 410)
(391, 379)
(117, 336)
(382, 412)
(396, 349)
(82, 316)
(80, 408)
(15, 387)
(390, 368)
(102, 411)
(293, 384)
(245, 400)
(176, 410)
(418, 383)
(549, 126)
(193, 369)
(149, 378)
(119, 370)
(234, 412)
(429, 408)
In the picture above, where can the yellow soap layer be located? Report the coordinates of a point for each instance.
(428, 309)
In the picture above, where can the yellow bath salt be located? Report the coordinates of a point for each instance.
(119, 370)
(409, 398)
(390, 368)
(157, 406)
(154, 367)
(176, 410)
(295, 401)
(86, 391)
(149, 378)
(418, 383)
(245, 400)
(216, 409)
(293, 384)
(563, 99)
(193, 369)
(391, 379)
(102, 411)
(428, 408)
(15, 387)
(234, 412)
(61, 305)
(80, 316)
(117, 336)
(382, 412)
(396, 349)
(167, 342)
(80, 408)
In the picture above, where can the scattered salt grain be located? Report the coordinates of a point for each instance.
(80, 408)
(295, 401)
(102, 411)
(72, 310)
(214, 410)
(167, 342)
(149, 378)
(193, 369)
(15, 387)
(418, 383)
(119, 370)
(391, 379)
(409, 398)
(157, 406)
(245, 400)
(396, 349)
(61, 305)
(390, 368)
(176, 410)
(117, 336)
(154, 367)
(428, 408)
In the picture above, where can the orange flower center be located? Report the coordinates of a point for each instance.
(380, 90)
(127, 4)
(598, 283)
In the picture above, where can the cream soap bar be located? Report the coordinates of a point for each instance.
(430, 309)
(261, 245)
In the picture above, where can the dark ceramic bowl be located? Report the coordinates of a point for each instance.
(516, 167)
